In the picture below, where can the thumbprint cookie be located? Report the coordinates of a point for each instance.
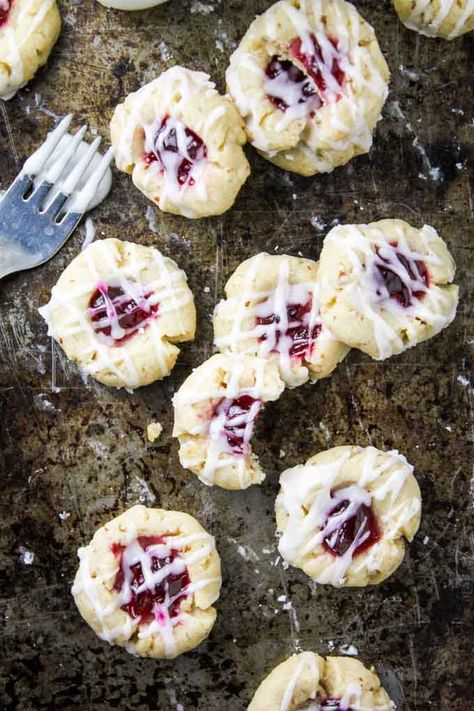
(437, 18)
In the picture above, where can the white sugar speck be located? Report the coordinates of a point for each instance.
(26, 556)
(349, 650)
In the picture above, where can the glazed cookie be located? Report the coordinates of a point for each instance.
(310, 81)
(307, 682)
(147, 582)
(343, 515)
(215, 411)
(118, 310)
(386, 286)
(182, 142)
(437, 18)
(272, 310)
(28, 32)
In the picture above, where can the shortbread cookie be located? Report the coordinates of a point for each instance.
(118, 309)
(437, 18)
(28, 32)
(272, 310)
(386, 286)
(147, 582)
(215, 412)
(182, 143)
(131, 5)
(307, 682)
(344, 515)
(310, 81)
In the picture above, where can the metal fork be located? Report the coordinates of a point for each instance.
(35, 222)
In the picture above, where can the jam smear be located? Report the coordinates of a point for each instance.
(332, 704)
(362, 522)
(110, 305)
(399, 289)
(5, 7)
(283, 73)
(240, 416)
(314, 64)
(170, 156)
(298, 331)
(173, 587)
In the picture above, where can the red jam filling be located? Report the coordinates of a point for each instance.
(171, 156)
(314, 64)
(289, 74)
(298, 331)
(110, 307)
(331, 704)
(363, 522)
(170, 591)
(398, 288)
(240, 416)
(5, 8)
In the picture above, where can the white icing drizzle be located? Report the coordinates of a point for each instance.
(363, 81)
(169, 290)
(13, 40)
(93, 586)
(219, 454)
(369, 296)
(427, 16)
(306, 498)
(291, 93)
(306, 659)
(261, 304)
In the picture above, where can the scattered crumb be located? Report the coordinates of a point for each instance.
(26, 557)
(89, 233)
(282, 454)
(64, 515)
(317, 222)
(153, 431)
(200, 8)
(349, 649)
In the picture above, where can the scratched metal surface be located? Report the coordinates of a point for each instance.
(75, 454)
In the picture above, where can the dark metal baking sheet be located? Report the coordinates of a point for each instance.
(75, 454)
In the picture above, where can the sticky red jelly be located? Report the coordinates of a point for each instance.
(332, 704)
(5, 7)
(171, 591)
(315, 66)
(400, 288)
(240, 416)
(111, 307)
(175, 158)
(298, 329)
(363, 522)
(282, 74)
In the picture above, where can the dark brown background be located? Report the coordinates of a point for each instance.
(81, 448)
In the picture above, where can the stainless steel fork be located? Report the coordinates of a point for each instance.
(37, 219)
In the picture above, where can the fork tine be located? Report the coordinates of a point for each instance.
(78, 171)
(53, 208)
(81, 201)
(55, 171)
(37, 160)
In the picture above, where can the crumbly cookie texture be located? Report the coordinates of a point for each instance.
(310, 81)
(182, 143)
(343, 516)
(215, 411)
(118, 309)
(308, 682)
(386, 286)
(272, 310)
(148, 580)
(28, 32)
(437, 18)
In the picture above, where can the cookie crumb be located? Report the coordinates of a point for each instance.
(153, 431)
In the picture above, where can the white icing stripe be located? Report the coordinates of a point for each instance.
(427, 16)
(306, 659)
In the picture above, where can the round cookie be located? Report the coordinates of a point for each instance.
(343, 515)
(310, 81)
(182, 143)
(386, 286)
(118, 309)
(131, 5)
(215, 411)
(437, 18)
(272, 310)
(28, 32)
(307, 682)
(147, 582)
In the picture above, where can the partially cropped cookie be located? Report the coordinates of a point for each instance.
(310, 81)
(437, 18)
(386, 286)
(182, 143)
(345, 514)
(148, 580)
(118, 310)
(308, 682)
(28, 32)
(215, 411)
(272, 310)
(131, 5)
